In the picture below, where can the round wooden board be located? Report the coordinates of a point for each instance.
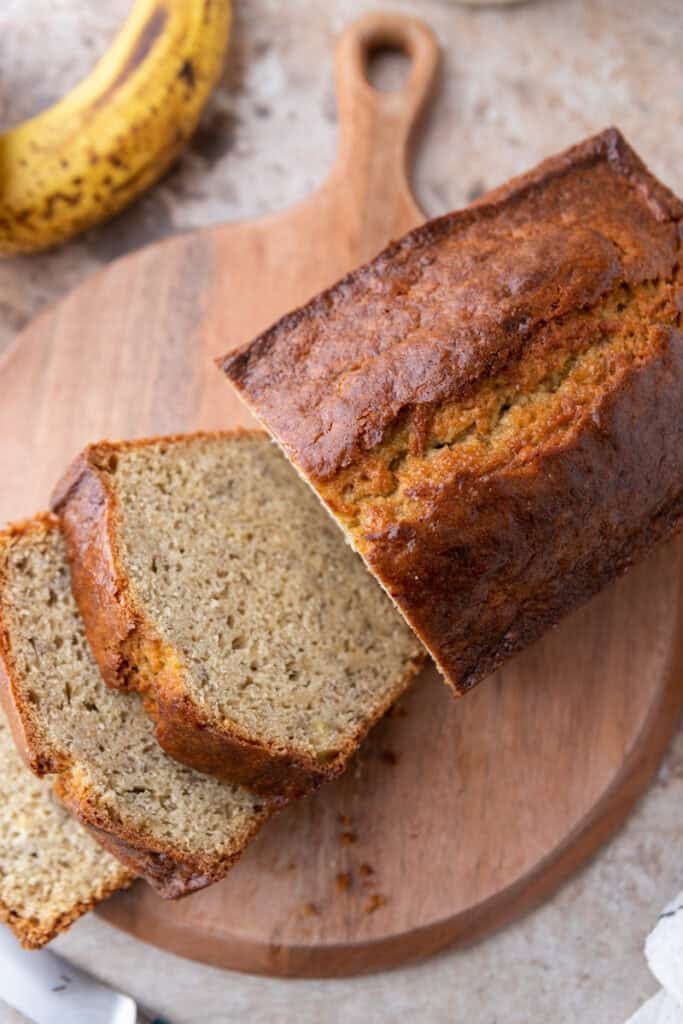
(456, 815)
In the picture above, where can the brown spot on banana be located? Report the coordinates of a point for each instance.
(59, 197)
(186, 73)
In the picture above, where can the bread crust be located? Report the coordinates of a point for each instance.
(481, 563)
(166, 868)
(329, 398)
(123, 639)
(33, 936)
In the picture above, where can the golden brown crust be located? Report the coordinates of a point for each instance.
(169, 870)
(186, 736)
(33, 935)
(123, 639)
(482, 560)
(542, 537)
(267, 770)
(331, 379)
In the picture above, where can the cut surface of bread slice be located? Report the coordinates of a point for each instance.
(491, 408)
(178, 828)
(211, 580)
(51, 870)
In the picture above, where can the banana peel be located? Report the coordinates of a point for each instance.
(87, 157)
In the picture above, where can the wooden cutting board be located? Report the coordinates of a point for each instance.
(457, 815)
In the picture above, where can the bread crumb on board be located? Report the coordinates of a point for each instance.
(344, 881)
(375, 901)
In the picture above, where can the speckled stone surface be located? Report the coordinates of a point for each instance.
(518, 83)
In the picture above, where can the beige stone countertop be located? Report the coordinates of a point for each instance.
(518, 83)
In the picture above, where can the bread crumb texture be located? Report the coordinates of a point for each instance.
(272, 622)
(100, 742)
(51, 870)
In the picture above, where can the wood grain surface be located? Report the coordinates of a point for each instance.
(456, 815)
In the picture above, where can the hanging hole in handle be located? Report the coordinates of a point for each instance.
(387, 66)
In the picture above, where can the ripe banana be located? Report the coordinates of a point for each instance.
(88, 156)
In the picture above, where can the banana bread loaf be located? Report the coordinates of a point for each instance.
(180, 829)
(211, 580)
(492, 408)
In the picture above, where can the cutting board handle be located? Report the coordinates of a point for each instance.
(376, 127)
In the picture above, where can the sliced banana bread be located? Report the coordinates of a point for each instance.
(492, 407)
(211, 580)
(180, 829)
(51, 869)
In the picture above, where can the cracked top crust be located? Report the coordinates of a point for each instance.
(456, 300)
(491, 407)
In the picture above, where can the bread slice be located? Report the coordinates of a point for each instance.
(180, 829)
(491, 409)
(211, 580)
(51, 869)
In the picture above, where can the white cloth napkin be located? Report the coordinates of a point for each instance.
(664, 952)
(661, 1009)
(664, 949)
